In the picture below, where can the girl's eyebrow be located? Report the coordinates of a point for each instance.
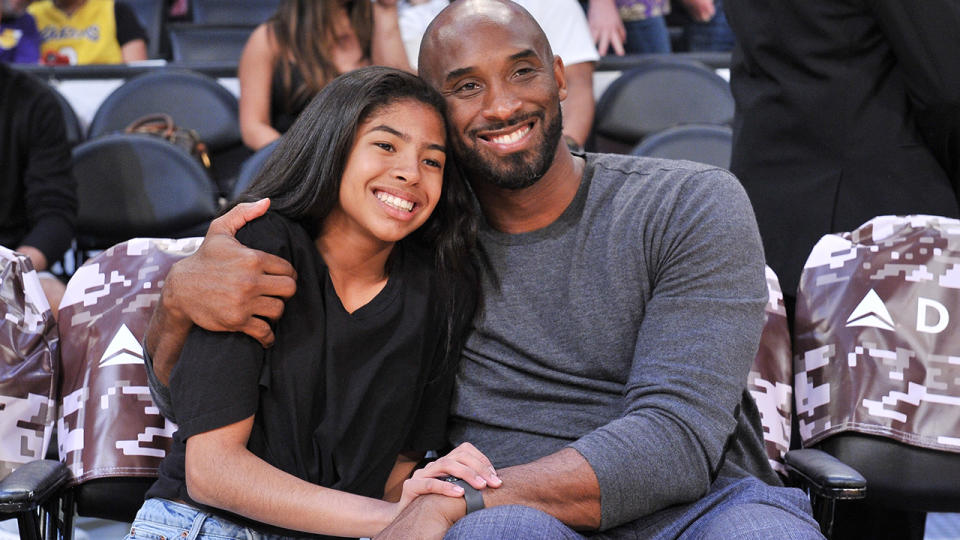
(406, 138)
(390, 130)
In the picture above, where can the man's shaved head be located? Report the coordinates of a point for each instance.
(462, 19)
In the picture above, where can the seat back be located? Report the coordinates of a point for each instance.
(658, 94)
(203, 43)
(195, 101)
(70, 120)
(770, 379)
(152, 16)
(877, 376)
(137, 185)
(703, 143)
(231, 12)
(251, 167)
(110, 433)
(29, 364)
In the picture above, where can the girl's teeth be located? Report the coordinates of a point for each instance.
(396, 202)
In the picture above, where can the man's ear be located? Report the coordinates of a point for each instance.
(559, 74)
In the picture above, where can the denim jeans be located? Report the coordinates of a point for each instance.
(647, 36)
(160, 519)
(713, 35)
(743, 509)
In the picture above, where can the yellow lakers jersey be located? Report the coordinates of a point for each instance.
(88, 36)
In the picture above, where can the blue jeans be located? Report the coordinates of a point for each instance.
(160, 519)
(647, 36)
(713, 35)
(743, 508)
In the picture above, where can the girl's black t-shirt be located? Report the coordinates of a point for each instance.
(338, 396)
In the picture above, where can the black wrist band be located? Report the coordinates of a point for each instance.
(471, 495)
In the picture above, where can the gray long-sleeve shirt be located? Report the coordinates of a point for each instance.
(626, 330)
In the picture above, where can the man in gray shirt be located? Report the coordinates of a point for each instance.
(605, 377)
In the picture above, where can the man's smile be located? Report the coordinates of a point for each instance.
(509, 136)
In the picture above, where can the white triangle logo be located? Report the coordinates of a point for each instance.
(871, 312)
(123, 349)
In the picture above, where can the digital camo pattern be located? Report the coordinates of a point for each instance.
(878, 333)
(108, 424)
(29, 359)
(769, 380)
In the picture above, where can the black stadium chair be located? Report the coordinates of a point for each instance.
(74, 129)
(704, 143)
(231, 12)
(138, 185)
(152, 16)
(252, 166)
(660, 93)
(195, 101)
(193, 43)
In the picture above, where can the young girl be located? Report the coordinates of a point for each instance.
(302, 47)
(310, 434)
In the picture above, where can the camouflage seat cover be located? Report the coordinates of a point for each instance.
(29, 360)
(770, 377)
(108, 425)
(877, 341)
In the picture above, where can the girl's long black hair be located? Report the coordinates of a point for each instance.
(302, 179)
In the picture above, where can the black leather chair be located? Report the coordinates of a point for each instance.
(231, 12)
(153, 17)
(195, 43)
(137, 185)
(251, 167)
(75, 134)
(704, 143)
(660, 93)
(31, 495)
(195, 101)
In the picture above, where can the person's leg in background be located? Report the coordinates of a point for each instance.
(712, 35)
(647, 36)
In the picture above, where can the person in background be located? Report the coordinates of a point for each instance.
(19, 38)
(301, 48)
(79, 32)
(38, 194)
(641, 26)
(566, 29)
(705, 27)
(825, 135)
(629, 26)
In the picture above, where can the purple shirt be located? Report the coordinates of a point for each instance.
(19, 40)
(635, 10)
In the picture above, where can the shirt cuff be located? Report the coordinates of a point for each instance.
(159, 392)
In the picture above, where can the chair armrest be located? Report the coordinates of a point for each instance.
(825, 475)
(32, 484)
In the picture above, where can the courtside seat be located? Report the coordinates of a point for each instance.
(877, 376)
(195, 101)
(659, 93)
(138, 185)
